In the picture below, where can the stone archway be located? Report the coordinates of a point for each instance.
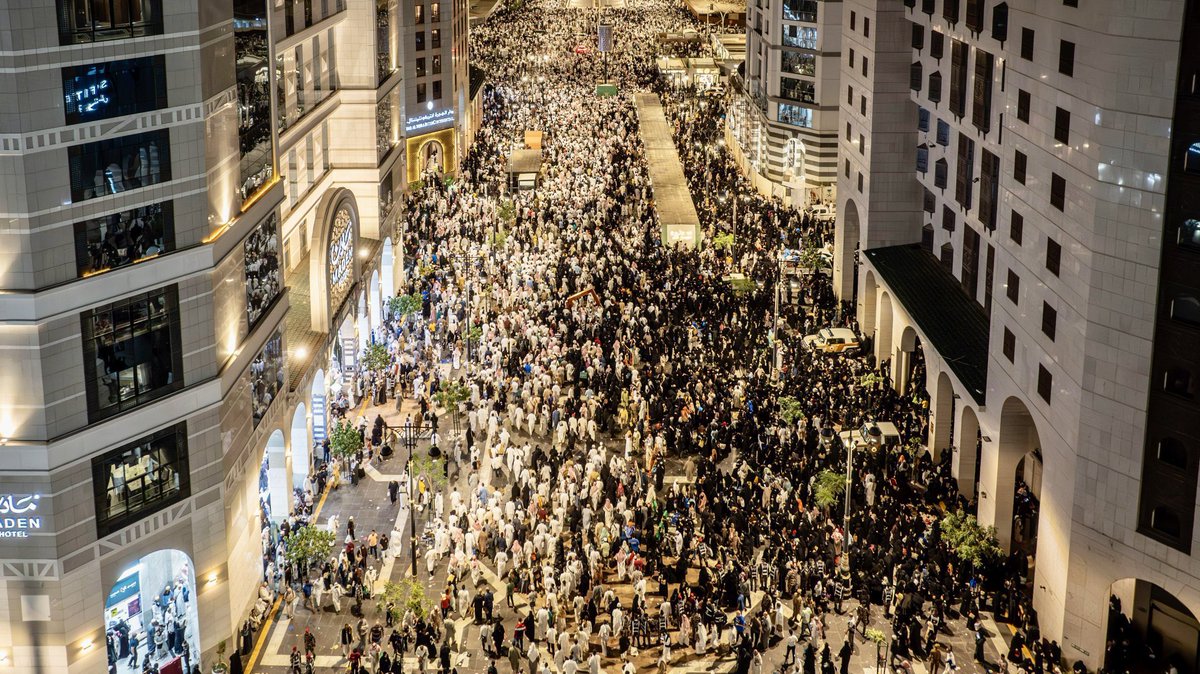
(867, 304)
(1018, 436)
(301, 446)
(941, 416)
(883, 332)
(135, 600)
(907, 358)
(334, 264)
(1143, 617)
(387, 263)
(274, 480)
(845, 246)
(968, 450)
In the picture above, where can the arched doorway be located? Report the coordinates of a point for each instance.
(845, 253)
(968, 454)
(319, 404)
(301, 447)
(867, 305)
(883, 332)
(153, 601)
(1027, 496)
(375, 300)
(1149, 629)
(910, 364)
(387, 262)
(274, 494)
(362, 322)
(941, 416)
(1018, 439)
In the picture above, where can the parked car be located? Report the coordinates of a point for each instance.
(873, 433)
(822, 212)
(833, 340)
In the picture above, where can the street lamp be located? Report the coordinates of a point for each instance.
(410, 443)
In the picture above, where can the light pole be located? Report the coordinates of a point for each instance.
(410, 443)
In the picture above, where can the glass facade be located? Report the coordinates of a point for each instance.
(266, 377)
(797, 90)
(105, 90)
(119, 164)
(140, 478)
(799, 63)
(800, 36)
(254, 96)
(131, 352)
(123, 238)
(800, 10)
(264, 274)
(796, 115)
(81, 21)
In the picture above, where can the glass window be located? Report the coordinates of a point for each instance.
(922, 119)
(106, 90)
(421, 92)
(797, 90)
(421, 67)
(437, 90)
(1173, 453)
(98, 20)
(800, 63)
(1165, 521)
(435, 38)
(1045, 383)
(140, 478)
(435, 12)
(254, 96)
(419, 36)
(1191, 162)
(800, 10)
(795, 115)
(264, 275)
(1186, 308)
(922, 158)
(119, 164)
(266, 377)
(800, 36)
(131, 352)
(943, 132)
(123, 238)
(1189, 233)
(437, 65)
(419, 13)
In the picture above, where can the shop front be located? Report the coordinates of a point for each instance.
(150, 616)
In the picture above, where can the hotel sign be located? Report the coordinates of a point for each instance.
(429, 121)
(18, 515)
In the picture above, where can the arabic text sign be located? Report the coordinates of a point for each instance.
(429, 121)
(17, 515)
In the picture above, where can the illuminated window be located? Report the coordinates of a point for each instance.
(140, 478)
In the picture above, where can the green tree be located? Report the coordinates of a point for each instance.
(376, 357)
(870, 379)
(722, 241)
(219, 667)
(344, 442)
(432, 468)
(813, 258)
(474, 335)
(406, 594)
(827, 488)
(507, 211)
(403, 306)
(969, 540)
(309, 545)
(790, 410)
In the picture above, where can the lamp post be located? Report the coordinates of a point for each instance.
(410, 443)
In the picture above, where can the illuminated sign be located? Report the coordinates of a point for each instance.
(341, 255)
(429, 121)
(17, 516)
(604, 38)
(88, 99)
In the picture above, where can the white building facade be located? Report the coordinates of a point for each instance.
(1027, 164)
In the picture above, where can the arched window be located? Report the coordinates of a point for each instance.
(1173, 453)
(1189, 233)
(1178, 381)
(1186, 308)
(1191, 161)
(1165, 520)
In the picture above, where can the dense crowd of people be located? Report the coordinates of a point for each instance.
(628, 489)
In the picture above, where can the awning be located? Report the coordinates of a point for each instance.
(954, 324)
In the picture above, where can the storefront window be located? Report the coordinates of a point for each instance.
(131, 352)
(264, 275)
(119, 164)
(116, 240)
(266, 377)
(105, 90)
(98, 20)
(151, 617)
(140, 478)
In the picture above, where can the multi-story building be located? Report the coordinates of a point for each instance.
(1051, 287)
(783, 114)
(200, 217)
